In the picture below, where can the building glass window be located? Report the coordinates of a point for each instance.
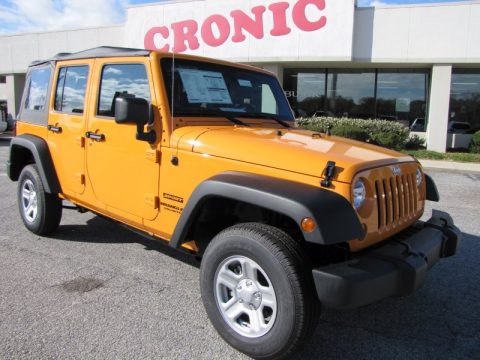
(306, 91)
(71, 88)
(351, 93)
(37, 89)
(389, 94)
(465, 101)
(3, 79)
(122, 80)
(402, 96)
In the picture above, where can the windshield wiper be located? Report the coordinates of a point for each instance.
(227, 116)
(234, 120)
(265, 116)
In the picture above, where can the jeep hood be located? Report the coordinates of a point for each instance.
(295, 150)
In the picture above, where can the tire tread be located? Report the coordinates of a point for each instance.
(50, 205)
(296, 265)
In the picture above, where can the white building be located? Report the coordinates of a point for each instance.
(418, 64)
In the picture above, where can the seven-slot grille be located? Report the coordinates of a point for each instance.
(396, 200)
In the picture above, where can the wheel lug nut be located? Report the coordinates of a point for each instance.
(249, 283)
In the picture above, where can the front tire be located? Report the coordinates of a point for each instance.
(41, 212)
(258, 291)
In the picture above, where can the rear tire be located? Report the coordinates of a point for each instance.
(41, 212)
(258, 290)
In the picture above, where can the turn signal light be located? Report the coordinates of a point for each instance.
(308, 225)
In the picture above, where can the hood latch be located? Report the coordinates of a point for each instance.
(328, 174)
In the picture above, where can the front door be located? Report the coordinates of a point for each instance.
(123, 171)
(67, 125)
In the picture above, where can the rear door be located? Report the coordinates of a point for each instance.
(123, 171)
(67, 123)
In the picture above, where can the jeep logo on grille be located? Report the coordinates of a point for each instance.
(396, 171)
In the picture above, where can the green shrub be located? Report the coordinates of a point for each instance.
(415, 142)
(389, 140)
(427, 154)
(432, 155)
(350, 132)
(385, 133)
(475, 144)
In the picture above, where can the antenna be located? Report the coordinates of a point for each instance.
(173, 89)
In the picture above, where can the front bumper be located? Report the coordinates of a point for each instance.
(398, 267)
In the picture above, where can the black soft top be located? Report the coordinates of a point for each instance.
(98, 52)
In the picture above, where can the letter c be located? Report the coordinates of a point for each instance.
(300, 15)
(149, 40)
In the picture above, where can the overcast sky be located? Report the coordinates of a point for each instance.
(17, 16)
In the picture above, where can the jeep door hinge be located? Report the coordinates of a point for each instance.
(153, 156)
(80, 141)
(80, 178)
(152, 201)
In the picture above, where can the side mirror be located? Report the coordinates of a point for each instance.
(132, 110)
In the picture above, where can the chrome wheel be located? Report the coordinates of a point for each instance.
(29, 201)
(245, 296)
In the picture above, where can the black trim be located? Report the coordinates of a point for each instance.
(432, 191)
(98, 52)
(336, 219)
(398, 267)
(41, 155)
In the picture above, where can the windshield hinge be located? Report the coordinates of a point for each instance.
(328, 174)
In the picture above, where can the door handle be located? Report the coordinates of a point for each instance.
(93, 136)
(55, 129)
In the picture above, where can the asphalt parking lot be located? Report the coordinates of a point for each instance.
(96, 291)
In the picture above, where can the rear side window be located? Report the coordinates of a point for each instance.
(36, 99)
(71, 88)
(121, 80)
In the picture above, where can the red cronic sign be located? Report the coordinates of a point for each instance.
(216, 29)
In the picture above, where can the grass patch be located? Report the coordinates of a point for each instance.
(455, 156)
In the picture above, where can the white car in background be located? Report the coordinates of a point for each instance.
(3, 122)
(458, 127)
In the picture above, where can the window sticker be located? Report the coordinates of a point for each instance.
(244, 83)
(205, 87)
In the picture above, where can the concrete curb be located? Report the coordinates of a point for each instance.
(450, 165)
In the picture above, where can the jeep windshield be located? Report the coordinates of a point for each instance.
(206, 89)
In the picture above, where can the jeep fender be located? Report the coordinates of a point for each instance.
(38, 148)
(337, 221)
(432, 191)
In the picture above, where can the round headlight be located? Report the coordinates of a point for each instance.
(359, 194)
(419, 177)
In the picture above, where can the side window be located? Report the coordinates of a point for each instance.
(71, 88)
(269, 103)
(37, 89)
(121, 80)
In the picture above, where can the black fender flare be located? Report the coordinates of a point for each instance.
(432, 191)
(41, 155)
(337, 221)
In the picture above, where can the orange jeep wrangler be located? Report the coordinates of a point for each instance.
(204, 154)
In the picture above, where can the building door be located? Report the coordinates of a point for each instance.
(67, 123)
(123, 171)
